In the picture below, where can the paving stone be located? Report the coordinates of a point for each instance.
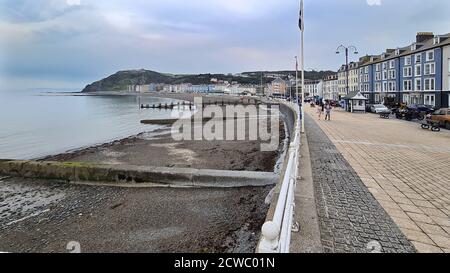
(417, 236)
(426, 248)
(432, 229)
(441, 241)
(360, 219)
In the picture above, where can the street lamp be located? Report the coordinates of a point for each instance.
(346, 49)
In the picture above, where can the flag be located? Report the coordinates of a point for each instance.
(301, 23)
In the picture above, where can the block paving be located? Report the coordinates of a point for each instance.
(405, 168)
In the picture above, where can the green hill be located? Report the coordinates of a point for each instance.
(120, 80)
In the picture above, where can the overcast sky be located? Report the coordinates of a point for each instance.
(69, 43)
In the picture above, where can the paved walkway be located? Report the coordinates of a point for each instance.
(404, 167)
(349, 216)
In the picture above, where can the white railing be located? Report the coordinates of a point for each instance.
(276, 234)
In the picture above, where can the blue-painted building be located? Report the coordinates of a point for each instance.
(416, 74)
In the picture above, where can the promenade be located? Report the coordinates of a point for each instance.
(378, 179)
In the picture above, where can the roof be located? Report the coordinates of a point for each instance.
(278, 80)
(355, 95)
(390, 54)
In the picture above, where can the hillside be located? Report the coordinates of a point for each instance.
(120, 80)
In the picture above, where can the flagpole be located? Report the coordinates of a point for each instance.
(303, 69)
(296, 78)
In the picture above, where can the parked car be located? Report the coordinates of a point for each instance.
(442, 116)
(427, 109)
(369, 107)
(379, 108)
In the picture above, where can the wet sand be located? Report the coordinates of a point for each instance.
(160, 150)
(112, 219)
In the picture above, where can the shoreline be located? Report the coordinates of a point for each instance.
(156, 148)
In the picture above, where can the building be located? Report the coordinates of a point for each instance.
(414, 74)
(342, 82)
(277, 88)
(331, 88)
(353, 77)
(365, 80)
(139, 88)
(314, 89)
(446, 76)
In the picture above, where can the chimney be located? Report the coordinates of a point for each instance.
(424, 36)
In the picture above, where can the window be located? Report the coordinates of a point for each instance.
(385, 86)
(407, 71)
(418, 58)
(384, 66)
(392, 64)
(430, 69)
(385, 75)
(407, 85)
(377, 98)
(436, 40)
(408, 60)
(378, 67)
(366, 69)
(392, 74)
(366, 78)
(418, 71)
(389, 86)
(406, 99)
(429, 84)
(430, 56)
(418, 85)
(430, 100)
(377, 87)
(378, 76)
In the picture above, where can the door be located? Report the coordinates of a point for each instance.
(430, 100)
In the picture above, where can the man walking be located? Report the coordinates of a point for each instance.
(328, 111)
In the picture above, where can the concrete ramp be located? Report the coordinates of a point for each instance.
(179, 177)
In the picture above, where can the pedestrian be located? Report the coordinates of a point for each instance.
(320, 111)
(328, 112)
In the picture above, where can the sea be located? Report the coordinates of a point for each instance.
(38, 123)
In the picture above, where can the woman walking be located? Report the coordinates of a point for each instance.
(320, 110)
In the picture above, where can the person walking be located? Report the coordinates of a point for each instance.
(328, 111)
(320, 110)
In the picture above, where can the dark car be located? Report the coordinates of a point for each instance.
(426, 109)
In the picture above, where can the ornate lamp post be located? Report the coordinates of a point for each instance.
(346, 50)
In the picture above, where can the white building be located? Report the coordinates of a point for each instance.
(331, 88)
(313, 88)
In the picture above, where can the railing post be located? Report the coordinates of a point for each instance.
(270, 236)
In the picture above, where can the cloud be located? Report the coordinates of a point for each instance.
(374, 2)
(83, 40)
(73, 2)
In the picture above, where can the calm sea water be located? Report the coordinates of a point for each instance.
(36, 124)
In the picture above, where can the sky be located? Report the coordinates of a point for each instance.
(70, 43)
